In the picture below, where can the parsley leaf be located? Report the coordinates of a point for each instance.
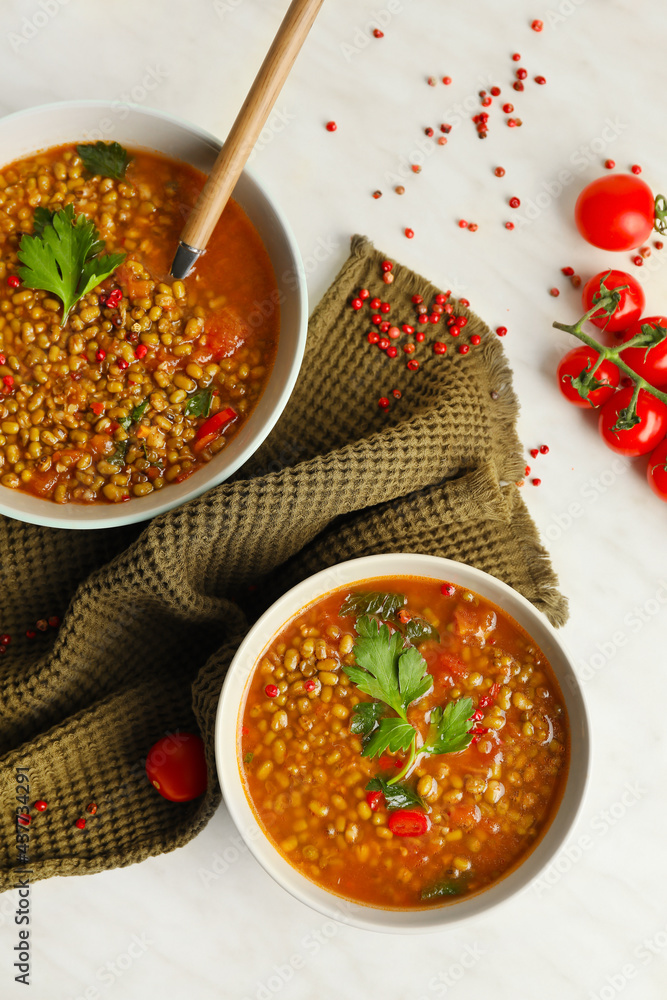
(392, 734)
(64, 259)
(138, 411)
(386, 607)
(396, 796)
(118, 457)
(42, 217)
(419, 630)
(108, 159)
(385, 670)
(199, 403)
(383, 605)
(365, 717)
(449, 728)
(447, 887)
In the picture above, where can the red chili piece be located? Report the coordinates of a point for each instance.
(41, 805)
(13, 281)
(271, 691)
(374, 800)
(331, 126)
(408, 823)
(8, 380)
(526, 471)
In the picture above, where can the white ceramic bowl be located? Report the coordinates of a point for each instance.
(26, 132)
(228, 726)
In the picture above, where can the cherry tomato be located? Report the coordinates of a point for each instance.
(580, 359)
(408, 823)
(176, 766)
(628, 309)
(657, 470)
(650, 363)
(645, 435)
(615, 212)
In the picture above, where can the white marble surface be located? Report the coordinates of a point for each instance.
(172, 927)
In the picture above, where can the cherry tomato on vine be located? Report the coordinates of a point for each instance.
(572, 365)
(615, 212)
(650, 363)
(628, 310)
(176, 766)
(657, 470)
(645, 435)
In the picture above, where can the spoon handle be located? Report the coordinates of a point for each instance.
(244, 133)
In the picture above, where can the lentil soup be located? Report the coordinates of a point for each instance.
(150, 377)
(449, 824)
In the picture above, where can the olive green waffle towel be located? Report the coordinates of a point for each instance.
(151, 617)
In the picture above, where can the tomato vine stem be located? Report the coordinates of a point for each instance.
(607, 303)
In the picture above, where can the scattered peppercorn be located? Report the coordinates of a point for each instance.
(80, 823)
(541, 80)
(567, 271)
(536, 482)
(554, 292)
(636, 169)
(377, 194)
(463, 348)
(41, 805)
(537, 25)
(377, 33)
(91, 808)
(400, 189)
(446, 80)
(383, 403)
(331, 126)
(544, 449)
(499, 171)
(410, 233)
(13, 281)
(514, 202)
(501, 331)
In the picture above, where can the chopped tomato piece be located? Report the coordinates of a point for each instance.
(473, 625)
(464, 815)
(451, 664)
(224, 333)
(44, 483)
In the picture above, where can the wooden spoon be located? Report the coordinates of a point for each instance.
(244, 134)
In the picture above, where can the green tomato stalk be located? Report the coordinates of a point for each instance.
(586, 382)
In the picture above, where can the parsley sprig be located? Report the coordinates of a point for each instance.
(108, 159)
(63, 257)
(394, 673)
